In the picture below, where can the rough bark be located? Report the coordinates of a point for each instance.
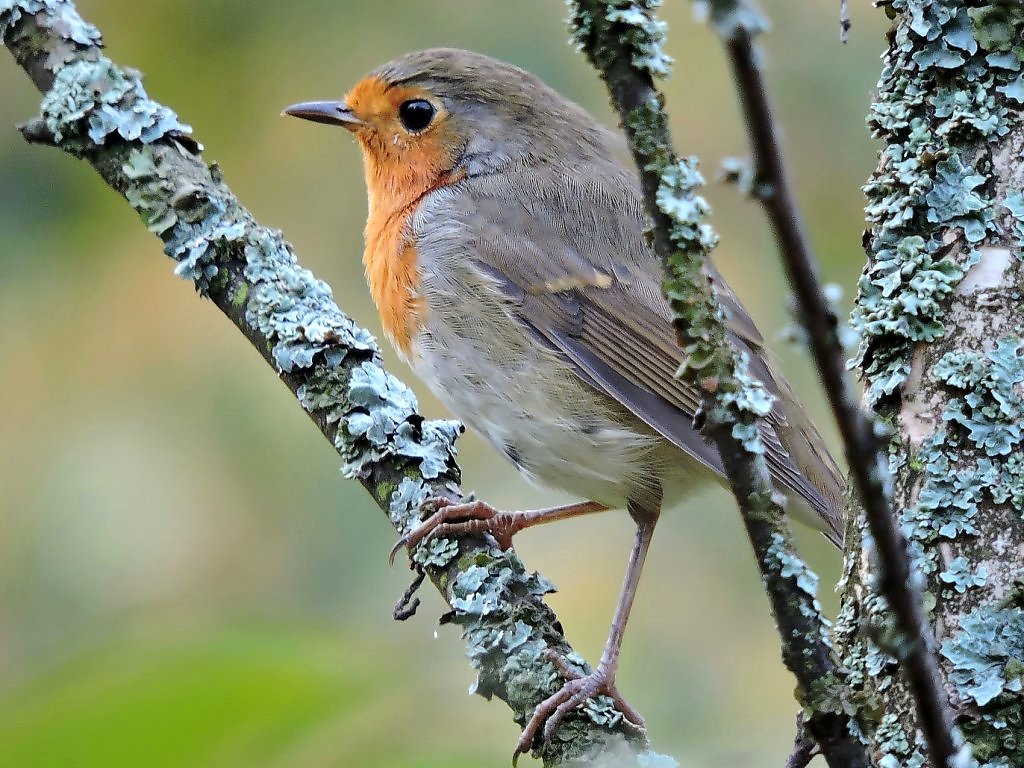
(941, 353)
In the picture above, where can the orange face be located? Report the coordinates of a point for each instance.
(409, 149)
(403, 160)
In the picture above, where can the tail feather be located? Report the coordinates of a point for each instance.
(823, 488)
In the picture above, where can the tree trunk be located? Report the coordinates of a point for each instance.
(941, 355)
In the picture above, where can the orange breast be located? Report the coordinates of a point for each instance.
(392, 272)
(390, 257)
(401, 169)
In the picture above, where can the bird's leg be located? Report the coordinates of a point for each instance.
(578, 688)
(479, 517)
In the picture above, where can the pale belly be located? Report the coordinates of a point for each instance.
(560, 432)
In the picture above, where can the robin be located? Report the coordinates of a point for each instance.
(505, 252)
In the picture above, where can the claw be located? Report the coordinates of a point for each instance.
(578, 688)
(402, 541)
(435, 504)
(447, 518)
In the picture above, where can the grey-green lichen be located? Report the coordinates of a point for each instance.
(944, 86)
(987, 654)
(990, 409)
(677, 197)
(947, 503)
(412, 494)
(891, 739)
(74, 30)
(636, 22)
(987, 660)
(384, 416)
(899, 303)
(1014, 203)
(982, 440)
(90, 100)
(947, 109)
(486, 595)
(961, 576)
(973, 462)
(646, 34)
(791, 567)
(100, 100)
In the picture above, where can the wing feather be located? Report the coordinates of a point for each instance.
(572, 257)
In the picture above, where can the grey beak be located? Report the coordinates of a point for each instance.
(329, 112)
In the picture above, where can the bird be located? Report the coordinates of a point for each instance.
(506, 255)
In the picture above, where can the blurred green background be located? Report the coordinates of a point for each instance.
(185, 578)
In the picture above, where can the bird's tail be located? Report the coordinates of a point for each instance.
(822, 487)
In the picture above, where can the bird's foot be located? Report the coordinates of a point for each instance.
(574, 693)
(452, 519)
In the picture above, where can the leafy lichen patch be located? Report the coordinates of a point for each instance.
(944, 247)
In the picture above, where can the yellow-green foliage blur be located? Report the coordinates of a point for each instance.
(185, 577)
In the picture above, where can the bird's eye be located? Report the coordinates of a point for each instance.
(416, 114)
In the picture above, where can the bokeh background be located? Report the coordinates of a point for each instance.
(185, 577)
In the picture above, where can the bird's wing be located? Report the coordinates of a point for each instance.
(570, 255)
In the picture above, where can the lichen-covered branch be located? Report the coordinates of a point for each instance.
(98, 111)
(738, 23)
(942, 355)
(623, 41)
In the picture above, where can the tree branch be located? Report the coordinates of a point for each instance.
(940, 352)
(623, 41)
(737, 22)
(99, 112)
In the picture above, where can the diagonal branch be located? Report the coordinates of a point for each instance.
(99, 112)
(737, 22)
(623, 41)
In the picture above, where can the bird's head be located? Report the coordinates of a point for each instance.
(430, 114)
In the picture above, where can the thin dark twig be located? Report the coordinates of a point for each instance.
(407, 604)
(864, 450)
(805, 748)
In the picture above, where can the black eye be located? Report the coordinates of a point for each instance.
(416, 114)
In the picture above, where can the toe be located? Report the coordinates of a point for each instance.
(572, 701)
(576, 691)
